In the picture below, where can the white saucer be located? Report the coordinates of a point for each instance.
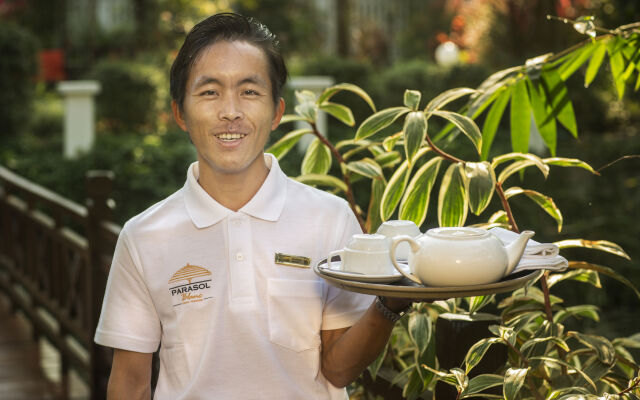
(354, 276)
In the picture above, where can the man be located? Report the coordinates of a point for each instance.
(207, 273)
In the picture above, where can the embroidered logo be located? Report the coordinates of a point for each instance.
(191, 284)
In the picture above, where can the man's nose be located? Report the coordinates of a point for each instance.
(230, 109)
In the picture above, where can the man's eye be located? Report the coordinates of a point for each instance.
(208, 93)
(250, 92)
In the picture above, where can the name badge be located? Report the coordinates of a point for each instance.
(293, 261)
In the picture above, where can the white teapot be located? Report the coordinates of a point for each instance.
(461, 256)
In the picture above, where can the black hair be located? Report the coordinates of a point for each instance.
(226, 27)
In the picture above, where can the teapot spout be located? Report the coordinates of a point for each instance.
(516, 249)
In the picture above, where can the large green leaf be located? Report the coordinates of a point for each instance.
(394, 191)
(477, 302)
(513, 381)
(415, 202)
(520, 117)
(492, 121)
(340, 112)
(595, 62)
(367, 168)
(482, 102)
(453, 201)
(322, 180)
(462, 380)
(420, 330)
(616, 61)
(569, 162)
(390, 141)
(465, 124)
(497, 78)
(306, 106)
(581, 311)
(388, 160)
(600, 345)
(521, 161)
(605, 271)
(379, 121)
(579, 57)
(477, 351)
(537, 340)
(286, 143)
(447, 97)
(415, 130)
(481, 181)
(290, 118)
(545, 202)
(602, 245)
(556, 361)
(560, 102)
(330, 91)
(520, 165)
(412, 99)
(317, 159)
(373, 212)
(482, 382)
(580, 275)
(542, 110)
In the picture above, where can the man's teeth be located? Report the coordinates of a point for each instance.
(231, 136)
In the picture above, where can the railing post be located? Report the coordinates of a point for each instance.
(99, 185)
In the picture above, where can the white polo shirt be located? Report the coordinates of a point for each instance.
(202, 279)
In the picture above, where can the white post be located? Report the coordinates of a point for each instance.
(315, 84)
(79, 115)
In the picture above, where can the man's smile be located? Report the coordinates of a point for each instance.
(230, 136)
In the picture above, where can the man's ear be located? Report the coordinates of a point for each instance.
(278, 114)
(177, 115)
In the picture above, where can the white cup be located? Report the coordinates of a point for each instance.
(365, 254)
(393, 228)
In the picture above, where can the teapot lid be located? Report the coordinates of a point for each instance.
(457, 233)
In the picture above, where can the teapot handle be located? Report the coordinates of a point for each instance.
(392, 253)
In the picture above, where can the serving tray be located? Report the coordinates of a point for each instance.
(407, 289)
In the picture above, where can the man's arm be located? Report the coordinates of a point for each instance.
(130, 376)
(347, 352)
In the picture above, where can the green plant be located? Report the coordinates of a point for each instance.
(128, 99)
(18, 70)
(401, 165)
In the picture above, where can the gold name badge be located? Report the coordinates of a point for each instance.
(293, 261)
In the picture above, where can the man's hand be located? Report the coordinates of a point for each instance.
(130, 376)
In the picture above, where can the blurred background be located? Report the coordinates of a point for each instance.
(383, 46)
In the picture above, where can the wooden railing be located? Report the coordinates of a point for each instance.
(54, 260)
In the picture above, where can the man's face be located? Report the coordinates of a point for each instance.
(228, 108)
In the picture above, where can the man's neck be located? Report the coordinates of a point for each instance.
(233, 191)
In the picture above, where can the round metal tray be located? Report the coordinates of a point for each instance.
(407, 289)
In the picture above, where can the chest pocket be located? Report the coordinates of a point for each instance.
(295, 313)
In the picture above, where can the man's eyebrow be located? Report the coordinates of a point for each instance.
(205, 80)
(255, 79)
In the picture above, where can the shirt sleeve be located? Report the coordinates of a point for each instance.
(343, 308)
(128, 320)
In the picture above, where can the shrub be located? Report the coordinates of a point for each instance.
(128, 100)
(18, 68)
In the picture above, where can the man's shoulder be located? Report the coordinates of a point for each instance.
(310, 196)
(164, 213)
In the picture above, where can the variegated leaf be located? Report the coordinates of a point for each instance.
(453, 201)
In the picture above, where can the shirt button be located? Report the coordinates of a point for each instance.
(239, 256)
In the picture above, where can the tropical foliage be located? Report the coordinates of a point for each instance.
(401, 158)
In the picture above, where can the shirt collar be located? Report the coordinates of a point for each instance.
(266, 204)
